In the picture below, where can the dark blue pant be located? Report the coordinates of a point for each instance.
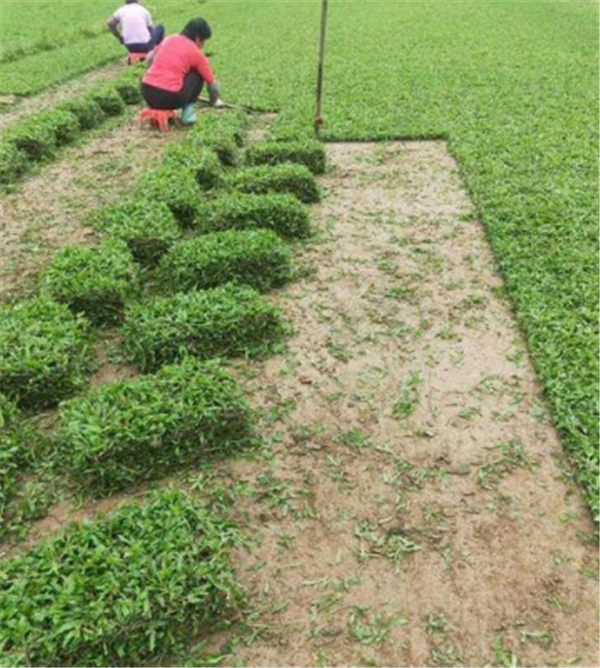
(157, 34)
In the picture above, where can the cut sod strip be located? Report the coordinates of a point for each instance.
(289, 178)
(257, 258)
(309, 153)
(283, 214)
(121, 590)
(148, 226)
(227, 321)
(178, 417)
(203, 163)
(175, 187)
(96, 282)
(44, 352)
(222, 133)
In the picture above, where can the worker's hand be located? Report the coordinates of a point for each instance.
(219, 104)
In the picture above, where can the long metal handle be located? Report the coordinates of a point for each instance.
(321, 70)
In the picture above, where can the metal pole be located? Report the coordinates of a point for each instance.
(321, 71)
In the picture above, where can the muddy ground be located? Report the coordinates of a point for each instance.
(410, 505)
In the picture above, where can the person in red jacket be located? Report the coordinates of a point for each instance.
(178, 71)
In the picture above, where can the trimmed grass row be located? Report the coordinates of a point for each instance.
(38, 137)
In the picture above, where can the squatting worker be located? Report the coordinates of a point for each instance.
(178, 70)
(137, 33)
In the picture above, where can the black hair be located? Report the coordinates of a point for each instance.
(197, 28)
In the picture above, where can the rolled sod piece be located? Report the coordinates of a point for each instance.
(285, 178)
(257, 258)
(121, 590)
(309, 153)
(202, 162)
(174, 186)
(109, 100)
(96, 282)
(88, 112)
(283, 214)
(44, 352)
(148, 227)
(231, 320)
(175, 418)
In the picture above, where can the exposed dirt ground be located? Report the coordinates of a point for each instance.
(410, 506)
(415, 510)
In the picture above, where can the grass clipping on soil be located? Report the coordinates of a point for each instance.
(257, 258)
(122, 590)
(231, 320)
(95, 281)
(175, 418)
(44, 352)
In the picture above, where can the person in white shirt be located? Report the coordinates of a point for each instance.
(132, 25)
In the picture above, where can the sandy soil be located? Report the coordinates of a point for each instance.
(415, 511)
(410, 505)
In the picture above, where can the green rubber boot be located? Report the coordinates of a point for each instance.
(189, 115)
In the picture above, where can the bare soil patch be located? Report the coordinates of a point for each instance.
(410, 505)
(415, 510)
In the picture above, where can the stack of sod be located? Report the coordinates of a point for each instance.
(283, 214)
(230, 320)
(147, 226)
(309, 153)
(174, 419)
(287, 178)
(258, 258)
(39, 136)
(222, 133)
(203, 163)
(44, 352)
(122, 590)
(175, 187)
(96, 282)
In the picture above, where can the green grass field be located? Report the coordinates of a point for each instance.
(332, 484)
(45, 43)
